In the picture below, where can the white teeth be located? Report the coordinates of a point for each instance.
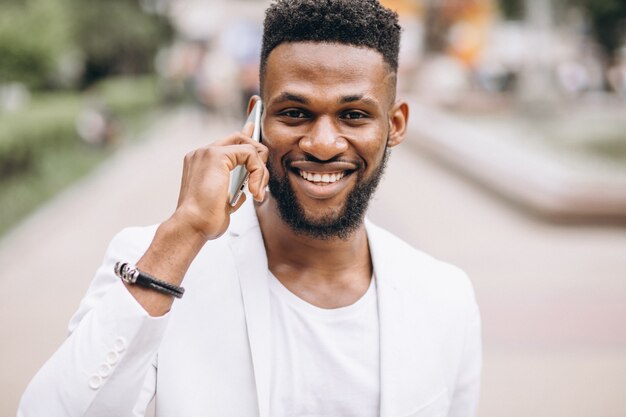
(326, 178)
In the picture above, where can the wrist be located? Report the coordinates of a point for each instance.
(171, 252)
(201, 225)
(131, 275)
(176, 229)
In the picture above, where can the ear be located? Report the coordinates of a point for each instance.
(252, 102)
(398, 119)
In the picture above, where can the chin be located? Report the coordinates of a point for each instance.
(324, 219)
(323, 223)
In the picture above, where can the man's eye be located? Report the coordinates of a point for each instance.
(295, 114)
(354, 115)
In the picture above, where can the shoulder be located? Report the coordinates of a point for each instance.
(417, 272)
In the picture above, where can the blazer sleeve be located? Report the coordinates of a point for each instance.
(107, 364)
(466, 392)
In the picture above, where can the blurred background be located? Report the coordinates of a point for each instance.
(514, 167)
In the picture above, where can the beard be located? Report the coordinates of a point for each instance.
(334, 223)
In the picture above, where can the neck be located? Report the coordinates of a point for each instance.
(296, 257)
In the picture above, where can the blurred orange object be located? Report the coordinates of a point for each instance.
(405, 7)
(471, 20)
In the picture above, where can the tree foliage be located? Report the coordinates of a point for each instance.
(608, 18)
(33, 35)
(117, 37)
(512, 9)
(112, 36)
(609, 22)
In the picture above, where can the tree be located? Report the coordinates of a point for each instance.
(117, 37)
(609, 22)
(33, 36)
(512, 9)
(608, 18)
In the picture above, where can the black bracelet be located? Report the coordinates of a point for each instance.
(130, 274)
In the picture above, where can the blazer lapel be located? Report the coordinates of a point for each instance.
(251, 263)
(410, 377)
(410, 374)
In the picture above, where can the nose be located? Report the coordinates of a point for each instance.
(323, 141)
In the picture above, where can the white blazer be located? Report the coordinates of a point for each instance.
(210, 355)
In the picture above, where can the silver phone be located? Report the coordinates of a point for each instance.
(239, 175)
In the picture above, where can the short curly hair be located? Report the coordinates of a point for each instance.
(364, 23)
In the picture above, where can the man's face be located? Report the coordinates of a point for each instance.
(329, 118)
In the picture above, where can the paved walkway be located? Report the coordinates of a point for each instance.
(553, 298)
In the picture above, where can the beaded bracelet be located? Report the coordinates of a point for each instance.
(130, 274)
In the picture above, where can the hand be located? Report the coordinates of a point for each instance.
(203, 203)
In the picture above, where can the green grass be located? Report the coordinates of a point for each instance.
(128, 95)
(22, 194)
(41, 153)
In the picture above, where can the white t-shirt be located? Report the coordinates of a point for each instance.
(325, 362)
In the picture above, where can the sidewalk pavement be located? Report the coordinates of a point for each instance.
(553, 297)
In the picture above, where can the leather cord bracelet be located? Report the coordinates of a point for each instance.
(130, 274)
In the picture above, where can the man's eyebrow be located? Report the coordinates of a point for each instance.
(286, 96)
(357, 97)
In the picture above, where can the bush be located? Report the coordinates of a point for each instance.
(28, 134)
(40, 151)
(129, 95)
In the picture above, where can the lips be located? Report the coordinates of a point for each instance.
(322, 180)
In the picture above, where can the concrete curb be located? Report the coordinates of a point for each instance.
(529, 175)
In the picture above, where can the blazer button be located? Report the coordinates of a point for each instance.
(112, 357)
(95, 382)
(104, 370)
(120, 344)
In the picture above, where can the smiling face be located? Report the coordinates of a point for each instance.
(330, 116)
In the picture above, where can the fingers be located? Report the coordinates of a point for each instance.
(242, 149)
(243, 137)
(204, 191)
(257, 182)
(254, 162)
(206, 171)
(235, 138)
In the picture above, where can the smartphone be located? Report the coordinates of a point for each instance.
(239, 175)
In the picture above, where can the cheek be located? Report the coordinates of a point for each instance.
(371, 146)
(276, 145)
(278, 139)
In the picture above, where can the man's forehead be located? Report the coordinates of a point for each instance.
(320, 53)
(345, 71)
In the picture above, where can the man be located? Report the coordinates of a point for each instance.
(294, 305)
